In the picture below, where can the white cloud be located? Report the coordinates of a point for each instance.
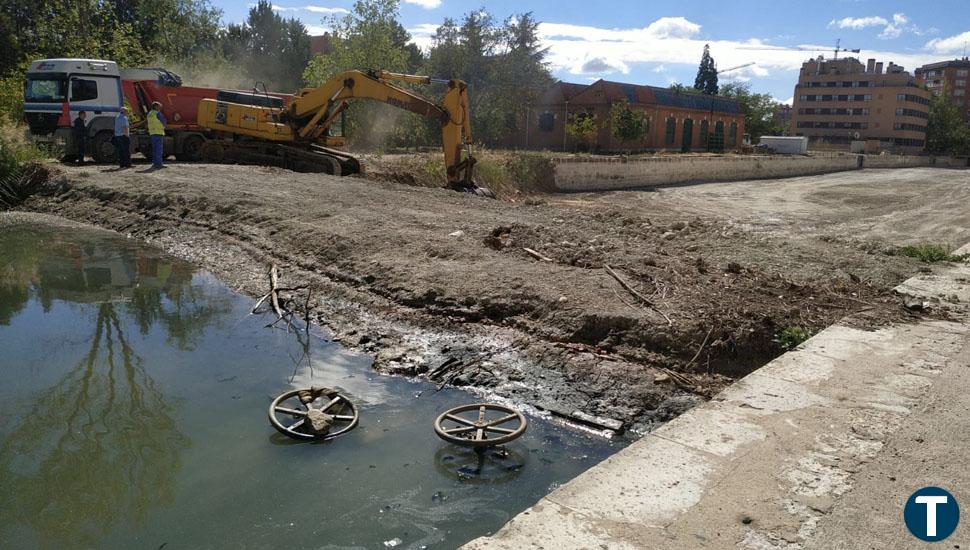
(426, 4)
(899, 25)
(952, 44)
(673, 27)
(744, 74)
(316, 30)
(572, 47)
(894, 28)
(311, 8)
(585, 50)
(858, 23)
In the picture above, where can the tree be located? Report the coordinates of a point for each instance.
(628, 124)
(758, 109)
(369, 37)
(946, 131)
(269, 48)
(706, 80)
(582, 126)
(503, 66)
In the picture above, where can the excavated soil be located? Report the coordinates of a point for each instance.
(440, 284)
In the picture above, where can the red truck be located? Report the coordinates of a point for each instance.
(57, 89)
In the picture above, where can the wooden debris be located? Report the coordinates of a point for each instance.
(699, 350)
(626, 286)
(537, 255)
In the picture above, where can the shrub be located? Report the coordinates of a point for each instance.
(929, 253)
(791, 337)
(21, 173)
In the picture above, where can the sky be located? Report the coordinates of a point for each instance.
(659, 43)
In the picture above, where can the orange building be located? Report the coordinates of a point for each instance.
(840, 101)
(676, 120)
(951, 78)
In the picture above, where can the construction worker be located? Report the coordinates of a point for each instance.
(156, 131)
(123, 139)
(80, 135)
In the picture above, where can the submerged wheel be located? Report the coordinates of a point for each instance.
(288, 414)
(480, 425)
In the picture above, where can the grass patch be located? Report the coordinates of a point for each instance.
(792, 337)
(929, 253)
(21, 168)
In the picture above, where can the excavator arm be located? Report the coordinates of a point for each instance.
(299, 132)
(312, 112)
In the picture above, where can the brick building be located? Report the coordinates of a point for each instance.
(950, 77)
(676, 120)
(842, 100)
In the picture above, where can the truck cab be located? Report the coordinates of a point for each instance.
(56, 90)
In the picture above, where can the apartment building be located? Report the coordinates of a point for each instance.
(951, 78)
(841, 100)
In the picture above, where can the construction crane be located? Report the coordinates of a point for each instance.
(835, 51)
(725, 71)
(303, 131)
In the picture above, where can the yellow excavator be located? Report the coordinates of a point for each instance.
(301, 133)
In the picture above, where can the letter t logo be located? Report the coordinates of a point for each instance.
(930, 502)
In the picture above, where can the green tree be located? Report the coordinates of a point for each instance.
(758, 110)
(369, 37)
(582, 126)
(628, 125)
(503, 65)
(706, 80)
(271, 49)
(946, 131)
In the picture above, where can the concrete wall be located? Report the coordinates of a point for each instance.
(575, 174)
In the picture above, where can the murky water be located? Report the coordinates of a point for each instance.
(133, 397)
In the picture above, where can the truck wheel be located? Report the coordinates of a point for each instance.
(103, 147)
(192, 149)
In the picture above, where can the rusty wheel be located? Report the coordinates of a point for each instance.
(288, 414)
(480, 425)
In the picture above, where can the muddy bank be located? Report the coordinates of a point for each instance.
(435, 283)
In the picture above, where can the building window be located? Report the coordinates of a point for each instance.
(704, 132)
(962, 72)
(959, 92)
(671, 129)
(547, 121)
(961, 83)
(732, 137)
(803, 98)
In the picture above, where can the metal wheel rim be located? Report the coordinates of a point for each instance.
(477, 433)
(292, 429)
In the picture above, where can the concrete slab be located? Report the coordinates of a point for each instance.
(766, 463)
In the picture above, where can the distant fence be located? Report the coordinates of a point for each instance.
(574, 174)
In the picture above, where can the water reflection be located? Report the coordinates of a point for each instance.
(97, 448)
(101, 446)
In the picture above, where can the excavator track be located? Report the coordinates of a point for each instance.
(314, 159)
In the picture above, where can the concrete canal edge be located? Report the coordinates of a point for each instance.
(766, 461)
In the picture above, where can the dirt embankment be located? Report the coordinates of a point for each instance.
(440, 284)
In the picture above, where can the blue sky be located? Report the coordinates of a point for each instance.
(650, 42)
